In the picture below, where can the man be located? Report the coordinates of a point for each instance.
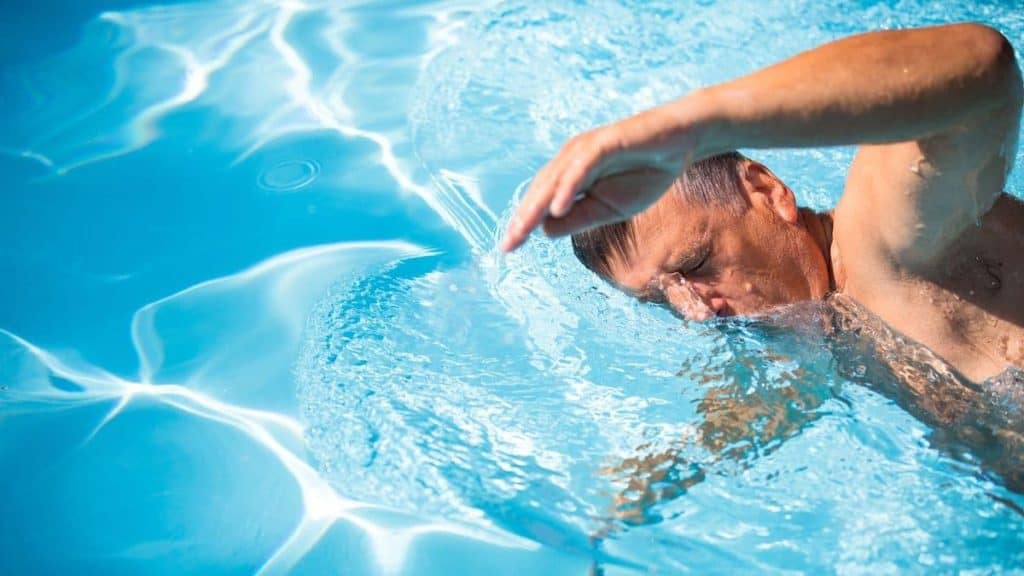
(923, 236)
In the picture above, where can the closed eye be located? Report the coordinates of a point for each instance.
(697, 268)
(701, 265)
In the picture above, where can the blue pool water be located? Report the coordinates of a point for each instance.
(253, 319)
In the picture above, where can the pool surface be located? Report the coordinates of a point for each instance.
(254, 320)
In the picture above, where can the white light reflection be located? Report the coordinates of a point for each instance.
(238, 58)
(289, 283)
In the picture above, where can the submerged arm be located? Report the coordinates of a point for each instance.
(876, 88)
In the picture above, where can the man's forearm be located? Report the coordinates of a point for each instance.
(882, 87)
(878, 87)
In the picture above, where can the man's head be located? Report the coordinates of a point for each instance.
(727, 239)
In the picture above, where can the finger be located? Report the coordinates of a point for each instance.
(527, 217)
(580, 170)
(530, 211)
(554, 189)
(589, 212)
(567, 188)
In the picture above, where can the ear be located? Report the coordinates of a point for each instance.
(764, 187)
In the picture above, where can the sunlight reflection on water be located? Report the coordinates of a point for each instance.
(361, 405)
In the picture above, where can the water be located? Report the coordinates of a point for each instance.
(255, 320)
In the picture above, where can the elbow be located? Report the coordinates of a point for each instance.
(996, 63)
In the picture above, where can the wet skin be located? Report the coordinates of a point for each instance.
(704, 261)
(923, 236)
(709, 261)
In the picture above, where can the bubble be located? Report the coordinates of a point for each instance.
(289, 175)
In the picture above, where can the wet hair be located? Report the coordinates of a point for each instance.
(714, 181)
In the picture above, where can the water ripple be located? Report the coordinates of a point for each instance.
(530, 405)
(289, 176)
(517, 396)
(219, 351)
(272, 68)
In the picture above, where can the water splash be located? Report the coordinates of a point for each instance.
(491, 86)
(537, 74)
(248, 326)
(516, 392)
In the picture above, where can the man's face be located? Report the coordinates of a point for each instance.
(708, 261)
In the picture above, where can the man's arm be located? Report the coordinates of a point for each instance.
(952, 91)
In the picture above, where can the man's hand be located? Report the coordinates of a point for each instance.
(606, 175)
(898, 86)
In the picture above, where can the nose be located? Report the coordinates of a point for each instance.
(720, 306)
(714, 300)
(685, 300)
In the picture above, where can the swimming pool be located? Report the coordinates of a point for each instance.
(254, 319)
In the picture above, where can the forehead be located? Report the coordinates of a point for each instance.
(668, 232)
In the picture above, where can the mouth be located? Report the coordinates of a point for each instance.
(725, 311)
(721, 307)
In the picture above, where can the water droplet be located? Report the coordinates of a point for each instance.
(289, 175)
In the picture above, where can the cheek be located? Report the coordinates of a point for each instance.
(747, 290)
(768, 270)
(733, 282)
(754, 270)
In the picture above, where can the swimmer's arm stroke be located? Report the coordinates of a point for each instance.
(939, 108)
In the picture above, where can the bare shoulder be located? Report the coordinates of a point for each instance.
(923, 235)
(966, 305)
(914, 199)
